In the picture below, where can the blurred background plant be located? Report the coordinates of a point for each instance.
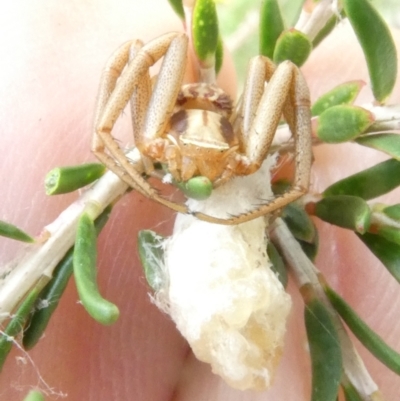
(239, 24)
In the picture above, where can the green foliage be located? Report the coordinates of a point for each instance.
(377, 43)
(16, 325)
(205, 31)
(177, 6)
(370, 183)
(324, 346)
(388, 356)
(271, 26)
(343, 123)
(342, 94)
(62, 180)
(51, 294)
(34, 395)
(299, 222)
(278, 266)
(345, 211)
(292, 45)
(387, 143)
(10, 231)
(85, 274)
(386, 251)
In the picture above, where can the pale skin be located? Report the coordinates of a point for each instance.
(48, 84)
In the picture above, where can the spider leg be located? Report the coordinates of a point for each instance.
(110, 75)
(114, 95)
(139, 103)
(150, 113)
(286, 93)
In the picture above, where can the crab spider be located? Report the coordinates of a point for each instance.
(192, 130)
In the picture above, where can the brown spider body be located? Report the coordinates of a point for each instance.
(200, 139)
(193, 129)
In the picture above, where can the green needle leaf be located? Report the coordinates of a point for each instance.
(49, 299)
(299, 222)
(10, 231)
(53, 291)
(310, 248)
(350, 393)
(16, 325)
(271, 26)
(370, 183)
(219, 55)
(85, 273)
(325, 352)
(342, 123)
(151, 253)
(377, 43)
(325, 31)
(345, 211)
(177, 6)
(374, 343)
(390, 233)
(62, 180)
(292, 45)
(387, 143)
(342, 94)
(386, 251)
(34, 395)
(205, 31)
(278, 266)
(393, 212)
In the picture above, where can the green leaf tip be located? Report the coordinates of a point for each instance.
(386, 143)
(277, 264)
(62, 180)
(205, 31)
(342, 123)
(345, 211)
(271, 26)
(377, 44)
(325, 352)
(151, 253)
(34, 395)
(299, 222)
(370, 183)
(326, 30)
(292, 45)
(350, 393)
(372, 341)
(342, 94)
(13, 232)
(85, 274)
(177, 6)
(390, 233)
(393, 211)
(386, 251)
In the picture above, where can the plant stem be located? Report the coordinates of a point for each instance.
(306, 273)
(40, 260)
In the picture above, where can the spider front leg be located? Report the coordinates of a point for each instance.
(152, 112)
(287, 93)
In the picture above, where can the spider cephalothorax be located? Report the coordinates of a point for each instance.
(199, 139)
(193, 129)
